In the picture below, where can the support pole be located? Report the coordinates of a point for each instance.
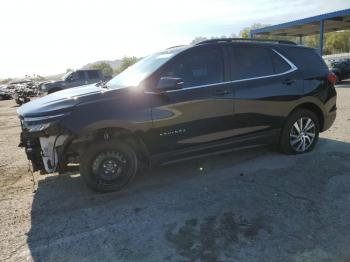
(300, 39)
(321, 36)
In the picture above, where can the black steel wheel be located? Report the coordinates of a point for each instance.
(108, 165)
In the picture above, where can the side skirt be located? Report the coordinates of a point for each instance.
(223, 146)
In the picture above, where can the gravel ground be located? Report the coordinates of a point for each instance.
(253, 205)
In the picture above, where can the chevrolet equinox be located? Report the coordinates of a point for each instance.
(181, 103)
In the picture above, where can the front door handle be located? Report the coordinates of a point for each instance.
(221, 92)
(288, 81)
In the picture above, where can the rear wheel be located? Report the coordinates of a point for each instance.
(300, 133)
(108, 166)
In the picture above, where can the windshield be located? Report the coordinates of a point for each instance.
(64, 77)
(133, 75)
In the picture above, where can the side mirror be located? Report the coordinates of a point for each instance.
(169, 83)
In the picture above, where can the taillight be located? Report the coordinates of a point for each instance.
(332, 78)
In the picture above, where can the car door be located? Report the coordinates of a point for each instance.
(93, 76)
(200, 112)
(347, 68)
(266, 85)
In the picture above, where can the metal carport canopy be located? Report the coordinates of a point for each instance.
(320, 24)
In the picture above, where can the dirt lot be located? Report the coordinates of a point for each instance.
(255, 205)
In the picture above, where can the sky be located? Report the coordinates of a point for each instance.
(46, 37)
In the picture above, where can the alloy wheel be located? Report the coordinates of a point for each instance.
(302, 134)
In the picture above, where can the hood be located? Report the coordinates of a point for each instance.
(58, 82)
(60, 102)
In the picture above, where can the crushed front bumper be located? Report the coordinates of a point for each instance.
(33, 151)
(42, 149)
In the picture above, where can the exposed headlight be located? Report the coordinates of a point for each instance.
(37, 127)
(37, 124)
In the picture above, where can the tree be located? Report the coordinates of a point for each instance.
(198, 39)
(106, 69)
(125, 63)
(337, 42)
(245, 32)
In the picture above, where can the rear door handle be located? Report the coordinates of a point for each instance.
(221, 92)
(288, 81)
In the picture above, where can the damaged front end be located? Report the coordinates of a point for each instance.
(43, 139)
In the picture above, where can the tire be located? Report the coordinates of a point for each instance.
(19, 102)
(291, 141)
(108, 166)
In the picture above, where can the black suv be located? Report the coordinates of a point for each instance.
(184, 102)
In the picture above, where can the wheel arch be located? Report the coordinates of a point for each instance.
(79, 142)
(313, 108)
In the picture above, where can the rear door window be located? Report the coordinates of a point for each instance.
(200, 67)
(250, 62)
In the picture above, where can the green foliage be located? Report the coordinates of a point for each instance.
(245, 32)
(337, 42)
(334, 42)
(125, 63)
(106, 69)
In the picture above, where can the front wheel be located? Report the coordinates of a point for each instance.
(108, 166)
(300, 132)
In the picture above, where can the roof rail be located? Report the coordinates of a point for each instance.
(228, 40)
(175, 46)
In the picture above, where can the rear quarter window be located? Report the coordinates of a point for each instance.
(279, 64)
(306, 59)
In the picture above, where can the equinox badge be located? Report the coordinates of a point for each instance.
(173, 132)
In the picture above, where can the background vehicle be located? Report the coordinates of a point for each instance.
(75, 78)
(5, 93)
(182, 103)
(340, 68)
(22, 94)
